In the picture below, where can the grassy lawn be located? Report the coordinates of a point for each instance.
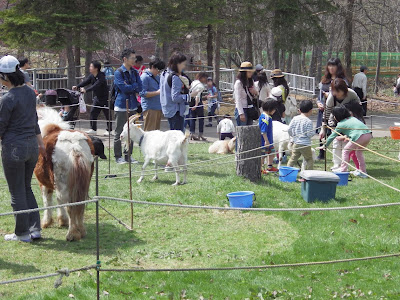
(171, 237)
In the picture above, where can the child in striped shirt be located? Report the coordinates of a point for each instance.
(301, 130)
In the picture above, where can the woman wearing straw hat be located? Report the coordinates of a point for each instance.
(243, 90)
(21, 142)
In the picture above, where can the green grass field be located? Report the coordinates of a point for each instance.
(172, 237)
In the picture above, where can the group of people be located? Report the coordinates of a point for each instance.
(341, 112)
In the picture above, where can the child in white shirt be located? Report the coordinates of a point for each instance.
(226, 128)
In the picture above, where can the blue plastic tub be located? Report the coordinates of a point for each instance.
(241, 199)
(344, 178)
(288, 174)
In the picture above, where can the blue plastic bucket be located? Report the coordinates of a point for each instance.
(344, 178)
(241, 199)
(288, 174)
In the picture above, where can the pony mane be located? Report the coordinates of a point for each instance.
(49, 116)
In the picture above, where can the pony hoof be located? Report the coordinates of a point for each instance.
(139, 180)
(47, 223)
(176, 184)
(62, 221)
(82, 230)
(73, 236)
(154, 178)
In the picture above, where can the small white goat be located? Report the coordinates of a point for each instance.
(169, 147)
(223, 147)
(281, 138)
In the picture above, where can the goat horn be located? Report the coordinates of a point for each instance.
(132, 119)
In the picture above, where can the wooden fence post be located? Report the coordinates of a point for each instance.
(248, 138)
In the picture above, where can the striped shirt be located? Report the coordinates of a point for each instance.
(301, 130)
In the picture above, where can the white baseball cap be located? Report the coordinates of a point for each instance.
(276, 92)
(8, 64)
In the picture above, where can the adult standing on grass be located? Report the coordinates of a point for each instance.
(243, 92)
(334, 69)
(21, 142)
(98, 84)
(360, 87)
(23, 66)
(174, 93)
(340, 95)
(151, 95)
(197, 111)
(127, 84)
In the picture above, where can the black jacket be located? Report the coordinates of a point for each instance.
(98, 86)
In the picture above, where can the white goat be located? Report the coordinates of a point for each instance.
(169, 147)
(281, 138)
(223, 147)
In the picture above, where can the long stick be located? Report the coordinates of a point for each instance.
(97, 231)
(129, 160)
(109, 136)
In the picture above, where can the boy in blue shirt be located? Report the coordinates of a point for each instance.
(267, 138)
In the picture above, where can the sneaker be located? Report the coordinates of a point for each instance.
(22, 238)
(36, 235)
(209, 125)
(91, 131)
(336, 170)
(276, 160)
(284, 159)
(120, 161)
(107, 133)
(357, 173)
(272, 169)
(335, 167)
(132, 160)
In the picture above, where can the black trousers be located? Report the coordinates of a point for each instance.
(95, 112)
(360, 95)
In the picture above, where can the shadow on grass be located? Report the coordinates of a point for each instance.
(381, 173)
(17, 268)
(113, 238)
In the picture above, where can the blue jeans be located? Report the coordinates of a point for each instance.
(177, 122)
(19, 161)
(194, 114)
(239, 122)
(211, 112)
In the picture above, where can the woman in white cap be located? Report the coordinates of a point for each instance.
(244, 92)
(21, 142)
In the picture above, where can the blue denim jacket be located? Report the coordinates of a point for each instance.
(150, 83)
(127, 84)
(172, 101)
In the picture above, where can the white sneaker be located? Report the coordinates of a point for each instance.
(107, 133)
(336, 170)
(121, 161)
(335, 167)
(91, 131)
(36, 235)
(22, 238)
(357, 173)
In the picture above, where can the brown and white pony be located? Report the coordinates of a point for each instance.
(66, 169)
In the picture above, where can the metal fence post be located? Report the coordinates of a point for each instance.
(97, 230)
(34, 81)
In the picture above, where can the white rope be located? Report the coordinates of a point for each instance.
(248, 209)
(25, 211)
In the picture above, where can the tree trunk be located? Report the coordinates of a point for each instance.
(78, 60)
(282, 60)
(217, 60)
(290, 63)
(319, 63)
(210, 48)
(296, 63)
(348, 36)
(313, 62)
(248, 53)
(275, 57)
(303, 61)
(88, 59)
(248, 138)
(165, 51)
(378, 63)
(71, 71)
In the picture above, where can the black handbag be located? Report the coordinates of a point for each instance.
(253, 111)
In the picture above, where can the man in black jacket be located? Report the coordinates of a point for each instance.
(98, 84)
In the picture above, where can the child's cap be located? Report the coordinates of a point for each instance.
(209, 79)
(276, 92)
